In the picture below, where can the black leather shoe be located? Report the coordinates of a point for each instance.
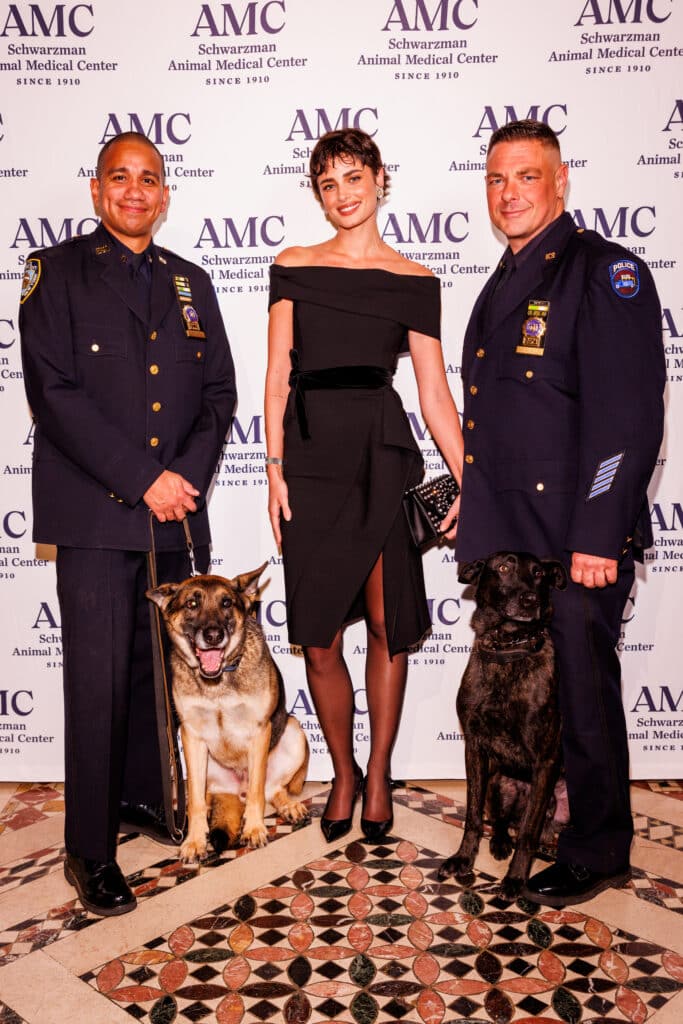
(375, 831)
(563, 884)
(101, 887)
(149, 819)
(334, 828)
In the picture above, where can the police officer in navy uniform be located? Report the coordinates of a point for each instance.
(563, 372)
(130, 380)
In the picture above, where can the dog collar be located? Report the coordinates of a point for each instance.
(501, 646)
(233, 667)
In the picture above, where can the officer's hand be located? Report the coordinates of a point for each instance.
(593, 570)
(171, 497)
(448, 527)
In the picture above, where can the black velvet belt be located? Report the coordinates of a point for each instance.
(331, 378)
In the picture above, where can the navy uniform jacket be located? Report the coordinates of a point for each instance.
(119, 393)
(559, 447)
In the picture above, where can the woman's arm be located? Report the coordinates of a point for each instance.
(280, 340)
(439, 411)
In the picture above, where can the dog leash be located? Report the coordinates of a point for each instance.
(190, 548)
(171, 775)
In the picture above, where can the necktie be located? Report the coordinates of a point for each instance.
(141, 279)
(499, 291)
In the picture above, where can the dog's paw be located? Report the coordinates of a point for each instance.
(254, 837)
(510, 888)
(293, 812)
(193, 850)
(501, 847)
(460, 867)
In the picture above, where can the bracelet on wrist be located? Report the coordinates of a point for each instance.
(272, 461)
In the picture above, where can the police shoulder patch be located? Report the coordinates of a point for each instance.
(624, 278)
(31, 278)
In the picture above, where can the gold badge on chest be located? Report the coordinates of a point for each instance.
(534, 328)
(191, 321)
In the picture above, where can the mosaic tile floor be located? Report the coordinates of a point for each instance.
(353, 934)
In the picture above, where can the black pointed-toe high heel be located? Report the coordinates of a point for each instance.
(334, 828)
(375, 831)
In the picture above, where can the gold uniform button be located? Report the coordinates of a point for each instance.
(111, 494)
(153, 336)
(154, 369)
(94, 347)
(473, 389)
(199, 355)
(154, 441)
(540, 486)
(156, 406)
(624, 551)
(470, 424)
(469, 459)
(529, 374)
(481, 352)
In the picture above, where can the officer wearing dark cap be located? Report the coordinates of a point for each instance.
(130, 379)
(563, 372)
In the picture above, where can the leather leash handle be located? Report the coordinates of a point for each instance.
(171, 777)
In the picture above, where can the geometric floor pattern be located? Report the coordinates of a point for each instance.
(373, 933)
(355, 934)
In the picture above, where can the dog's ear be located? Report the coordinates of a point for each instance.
(556, 574)
(471, 571)
(163, 595)
(247, 584)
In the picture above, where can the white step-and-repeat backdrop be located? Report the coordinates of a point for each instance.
(235, 95)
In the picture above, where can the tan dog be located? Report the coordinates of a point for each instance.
(241, 747)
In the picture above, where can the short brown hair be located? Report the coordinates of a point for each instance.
(345, 144)
(526, 129)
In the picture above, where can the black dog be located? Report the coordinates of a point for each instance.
(508, 709)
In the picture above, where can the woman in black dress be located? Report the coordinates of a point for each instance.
(340, 454)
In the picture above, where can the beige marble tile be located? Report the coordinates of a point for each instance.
(619, 908)
(670, 1013)
(15, 845)
(43, 992)
(657, 805)
(454, 789)
(657, 859)
(7, 790)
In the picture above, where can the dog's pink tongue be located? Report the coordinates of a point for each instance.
(210, 661)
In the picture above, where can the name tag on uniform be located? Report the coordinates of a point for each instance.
(534, 328)
(191, 322)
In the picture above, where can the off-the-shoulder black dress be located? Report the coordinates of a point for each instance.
(349, 451)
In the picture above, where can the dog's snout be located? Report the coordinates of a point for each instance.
(213, 635)
(528, 600)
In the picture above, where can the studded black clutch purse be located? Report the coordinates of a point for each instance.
(426, 506)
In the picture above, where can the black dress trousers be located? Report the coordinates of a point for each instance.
(586, 628)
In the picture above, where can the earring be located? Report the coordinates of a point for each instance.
(380, 193)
